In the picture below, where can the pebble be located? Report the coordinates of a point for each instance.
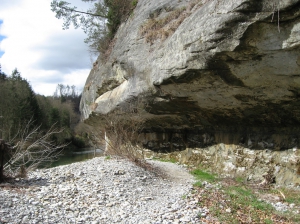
(228, 210)
(279, 206)
(98, 191)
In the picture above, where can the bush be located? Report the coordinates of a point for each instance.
(121, 130)
(134, 3)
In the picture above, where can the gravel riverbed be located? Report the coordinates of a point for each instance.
(102, 191)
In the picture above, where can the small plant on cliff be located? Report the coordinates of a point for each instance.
(162, 28)
(134, 3)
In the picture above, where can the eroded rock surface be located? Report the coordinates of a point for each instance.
(228, 68)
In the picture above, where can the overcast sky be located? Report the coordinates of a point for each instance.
(32, 40)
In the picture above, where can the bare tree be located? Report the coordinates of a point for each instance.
(33, 148)
(122, 129)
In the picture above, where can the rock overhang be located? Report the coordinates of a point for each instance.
(225, 69)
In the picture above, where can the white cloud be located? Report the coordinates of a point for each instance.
(66, 57)
(36, 44)
(52, 78)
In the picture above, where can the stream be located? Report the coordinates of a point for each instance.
(69, 156)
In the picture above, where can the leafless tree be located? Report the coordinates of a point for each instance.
(32, 149)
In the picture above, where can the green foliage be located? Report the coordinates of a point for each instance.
(54, 116)
(201, 175)
(198, 184)
(63, 111)
(239, 179)
(290, 195)
(243, 196)
(268, 221)
(134, 3)
(18, 104)
(234, 201)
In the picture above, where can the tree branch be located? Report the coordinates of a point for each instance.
(87, 13)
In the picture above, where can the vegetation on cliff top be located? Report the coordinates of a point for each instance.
(100, 23)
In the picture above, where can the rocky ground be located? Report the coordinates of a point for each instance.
(105, 190)
(102, 191)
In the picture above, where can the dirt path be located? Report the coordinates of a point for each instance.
(173, 171)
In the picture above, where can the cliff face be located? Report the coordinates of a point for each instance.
(211, 71)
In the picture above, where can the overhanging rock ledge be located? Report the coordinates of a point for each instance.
(229, 72)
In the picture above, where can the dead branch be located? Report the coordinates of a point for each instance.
(33, 148)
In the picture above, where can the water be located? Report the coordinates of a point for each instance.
(71, 156)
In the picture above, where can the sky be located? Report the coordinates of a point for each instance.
(33, 41)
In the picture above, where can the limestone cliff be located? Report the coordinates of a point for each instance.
(210, 71)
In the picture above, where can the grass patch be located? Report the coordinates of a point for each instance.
(289, 195)
(246, 207)
(202, 175)
(239, 179)
(234, 201)
(237, 204)
(241, 196)
(268, 221)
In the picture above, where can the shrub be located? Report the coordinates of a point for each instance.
(162, 28)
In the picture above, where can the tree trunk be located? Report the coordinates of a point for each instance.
(2, 148)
